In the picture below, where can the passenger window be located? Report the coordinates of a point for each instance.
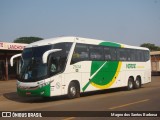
(96, 52)
(140, 56)
(122, 54)
(80, 53)
(53, 65)
(146, 55)
(113, 53)
(131, 54)
(107, 53)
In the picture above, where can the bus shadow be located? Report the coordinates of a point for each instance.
(108, 91)
(13, 96)
(99, 92)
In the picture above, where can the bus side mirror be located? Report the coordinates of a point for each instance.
(45, 55)
(13, 57)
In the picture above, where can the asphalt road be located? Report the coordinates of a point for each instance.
(146, 98)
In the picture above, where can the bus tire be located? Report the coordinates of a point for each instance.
(130, 85)
(137, 83)
(73, 90)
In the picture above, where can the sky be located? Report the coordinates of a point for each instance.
(132, 22)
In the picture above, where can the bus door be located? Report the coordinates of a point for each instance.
(55, 69)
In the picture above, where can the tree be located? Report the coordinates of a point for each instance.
(150, 46)
(27, 39)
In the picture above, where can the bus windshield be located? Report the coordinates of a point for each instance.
(33, 68)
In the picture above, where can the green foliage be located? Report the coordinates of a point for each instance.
(27, 39)
(150, 46)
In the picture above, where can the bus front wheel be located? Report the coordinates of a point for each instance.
(73, 90)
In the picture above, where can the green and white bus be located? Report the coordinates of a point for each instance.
(72, 65)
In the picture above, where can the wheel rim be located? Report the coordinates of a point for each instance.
(73, 91)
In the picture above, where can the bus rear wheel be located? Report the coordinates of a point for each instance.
(73, 90)
(137, 83)
(130, 85)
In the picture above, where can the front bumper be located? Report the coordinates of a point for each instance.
(37, 91)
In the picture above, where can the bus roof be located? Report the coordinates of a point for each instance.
(78, 40)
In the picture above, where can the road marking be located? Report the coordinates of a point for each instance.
(124, 105)
(69, 118)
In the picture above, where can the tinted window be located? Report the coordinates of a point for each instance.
(131, 54)
(121, 54)
(80, 53)
(110, 53)
(60, 57)
(139, 55)
(113, 53)
(33, 68)
(107, 53)
(96, 52)
(64, 46)
(36, 52)
(146, 55)
(27, 53)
